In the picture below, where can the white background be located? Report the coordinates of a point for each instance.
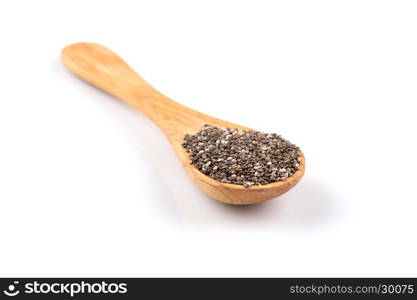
(90, 187)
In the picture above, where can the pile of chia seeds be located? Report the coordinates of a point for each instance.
(242, 157)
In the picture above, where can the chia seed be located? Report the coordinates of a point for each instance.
(242, 157)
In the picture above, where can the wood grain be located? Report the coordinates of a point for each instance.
(107, 71)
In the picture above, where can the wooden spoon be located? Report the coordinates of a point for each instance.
(104, 69)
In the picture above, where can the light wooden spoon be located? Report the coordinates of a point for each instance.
(104, 69)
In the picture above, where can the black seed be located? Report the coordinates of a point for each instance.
(242, 157)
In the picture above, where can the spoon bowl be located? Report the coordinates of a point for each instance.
(107, 71)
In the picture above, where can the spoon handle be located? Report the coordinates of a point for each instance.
(107, 71)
